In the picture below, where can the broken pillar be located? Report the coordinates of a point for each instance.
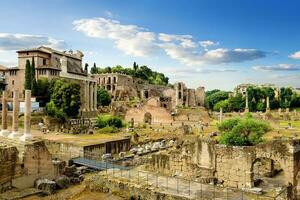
(247, 103)
(27, 117)
(15, 118)
(268, 104)
(4, 131)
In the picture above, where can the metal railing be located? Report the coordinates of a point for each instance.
(178, 186)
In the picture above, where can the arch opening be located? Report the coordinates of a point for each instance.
(267, 173)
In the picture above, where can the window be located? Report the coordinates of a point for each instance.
(12, 82)
(44, 61)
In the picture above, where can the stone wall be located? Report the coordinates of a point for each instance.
(64, 151)
(23, 163)
(229, 166)
(126, 189)
(8, 160)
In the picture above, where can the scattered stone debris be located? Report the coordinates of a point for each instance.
(48, 187)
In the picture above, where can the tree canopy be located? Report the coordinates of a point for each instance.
(216, 99)
(30, 80)
(142, 72)
(103, 97)
(245, 131)
(64, 99)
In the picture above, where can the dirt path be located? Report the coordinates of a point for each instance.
(76, 192)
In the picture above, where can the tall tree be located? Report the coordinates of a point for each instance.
(34, 86)
(135, 66)
(86, 67)
(28, 75)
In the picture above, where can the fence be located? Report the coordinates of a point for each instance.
(187, 188)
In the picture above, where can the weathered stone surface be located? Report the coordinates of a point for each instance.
(62, 182)
(48, 187)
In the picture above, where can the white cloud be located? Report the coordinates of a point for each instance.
(193, 71)
(12, 42)
(131, 39)
(137, 41)
(206, 43)
(295, 55)
(279, 67)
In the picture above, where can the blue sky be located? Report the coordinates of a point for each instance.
(212, 43)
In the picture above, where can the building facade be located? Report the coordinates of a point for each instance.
(51, 63)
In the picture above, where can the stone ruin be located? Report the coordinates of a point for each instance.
(23, 159)
(234, 167)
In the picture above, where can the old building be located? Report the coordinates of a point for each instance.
(125, 87)
(51, 63)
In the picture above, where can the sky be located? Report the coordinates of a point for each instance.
(211, 43)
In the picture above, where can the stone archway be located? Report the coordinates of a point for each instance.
(147, 118)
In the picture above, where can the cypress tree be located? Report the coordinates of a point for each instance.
(34, 86)
(28, 75)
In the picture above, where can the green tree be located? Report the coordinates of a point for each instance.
(224, 104)
(216, 97)
(245, 131)
(65, 97)
(103, 97)
(109, 121)
(135, 66)
(86, 66)
(34, 86)
(28, 76)
(236, 103)
(285, 97)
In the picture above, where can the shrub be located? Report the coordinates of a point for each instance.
(109, 121)
(245, 131)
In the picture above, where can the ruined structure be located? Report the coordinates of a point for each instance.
(51, 63)
(23, 160)
(125, 87)
(235, 167)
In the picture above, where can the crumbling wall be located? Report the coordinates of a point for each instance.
(230, 166)
(158, 114)
(37, 163)
(8, 160)
(234, 166)
(64, 151)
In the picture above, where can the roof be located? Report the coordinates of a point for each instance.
(48, 67)
(2, 67)
(78, 55)
(74, 68)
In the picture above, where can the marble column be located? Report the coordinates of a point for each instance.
(4, 131)
(221, 115)
(91, 97)
(87, 96)
(247, 103)
(27, 117)
(15, 119)
(95, 96)
(268, 104)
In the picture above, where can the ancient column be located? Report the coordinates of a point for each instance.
(91, 97)
(4, 131)
(15, 118)
(27, 117)
(268, 104)
(95, 96)
(221, 115)
(87, 96)
(247, 103)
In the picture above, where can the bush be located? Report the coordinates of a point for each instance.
(243, 131)
(109, 121)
